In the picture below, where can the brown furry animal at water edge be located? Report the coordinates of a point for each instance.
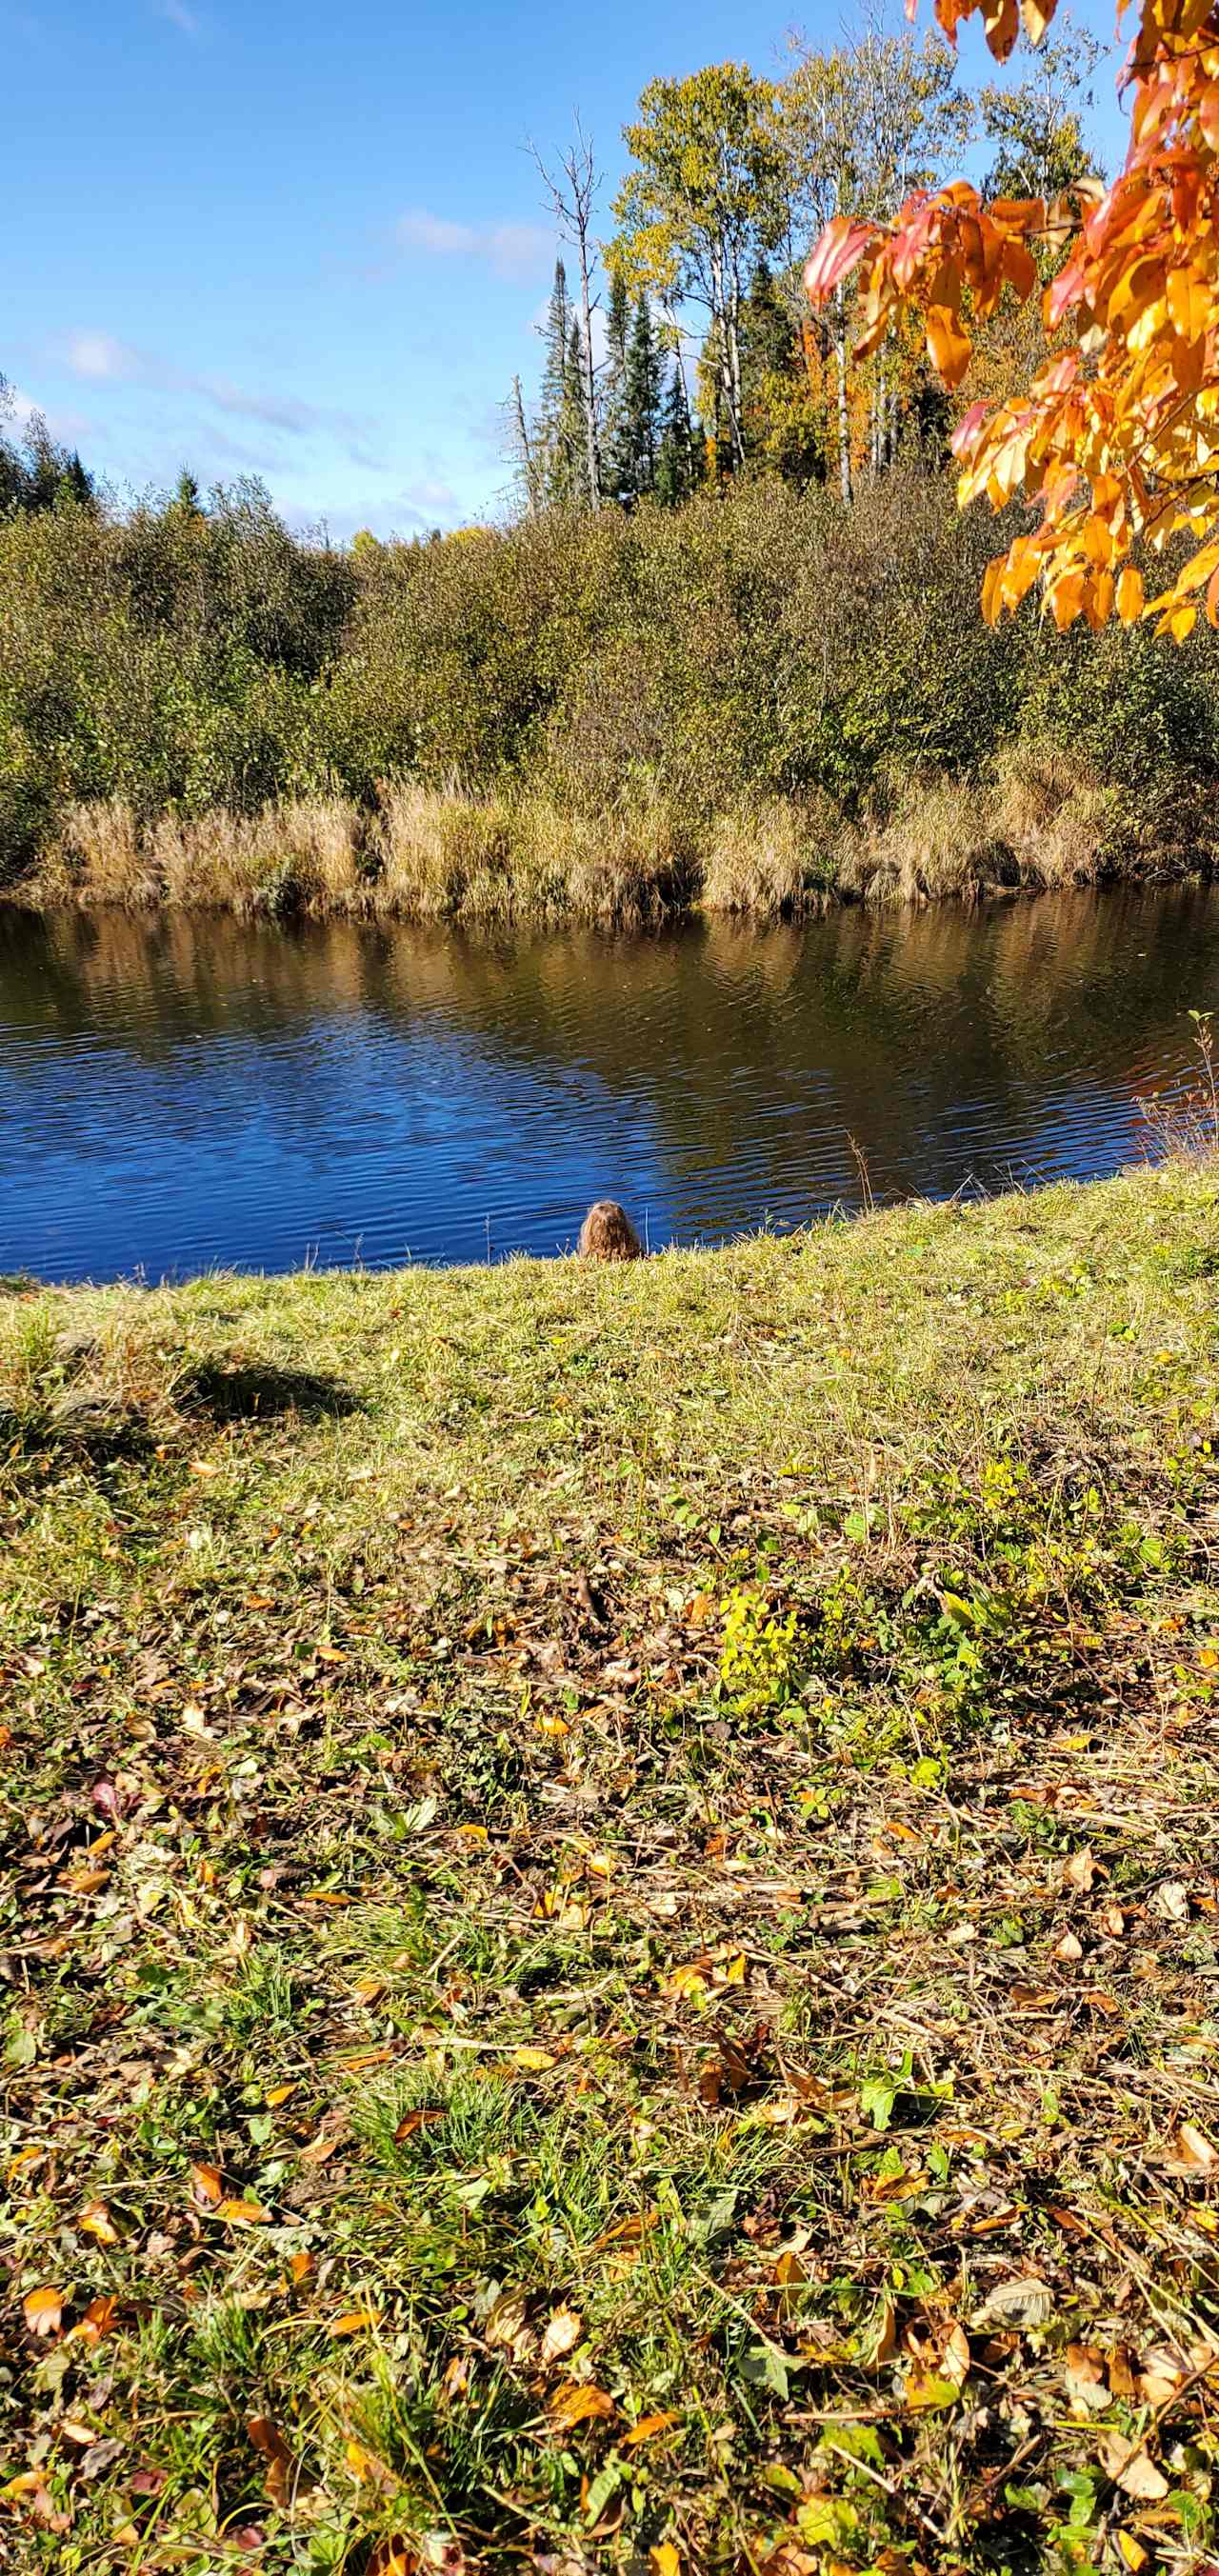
(607, 1234)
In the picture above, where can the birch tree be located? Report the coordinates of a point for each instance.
(859, 127)
(702, 202)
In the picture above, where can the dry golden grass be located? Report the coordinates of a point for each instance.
(772, 861)
(520, 859)
(1041, 822)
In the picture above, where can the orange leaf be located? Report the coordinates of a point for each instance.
(1066, 600)
(356, 2321)
(840, 249)
(948, 343)
(647, 2428)
(580, 2405)
(207, 2186)
(98, 2319)
(1130, 595)
(394, 2557)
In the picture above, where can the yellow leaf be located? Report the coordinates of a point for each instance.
(95, 2221)
(1132, 2552)
(243, 2213)
(664, 2559)
(1130, 595)
(366, 2467)
(43, 2311)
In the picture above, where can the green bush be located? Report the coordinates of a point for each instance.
(759, 644)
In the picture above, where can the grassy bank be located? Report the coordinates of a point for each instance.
(517, 859)
(611, 1887)
(755, 702)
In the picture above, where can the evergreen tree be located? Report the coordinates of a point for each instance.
(639, 442)
(551, 439)
(575, 420)
(560, 442)
(676, 455)
(613, 387)
(40, 475)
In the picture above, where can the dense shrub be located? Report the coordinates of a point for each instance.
(758, 647)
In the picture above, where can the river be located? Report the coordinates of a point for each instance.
(181, 1091)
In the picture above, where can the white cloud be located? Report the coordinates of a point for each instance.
(103, 359)
(179, 16)
(274, 410)
(426, 493)
(514, 251)
(96, 355)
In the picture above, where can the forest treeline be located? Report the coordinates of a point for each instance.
(611, 705)
(681, 347)
(760, 663)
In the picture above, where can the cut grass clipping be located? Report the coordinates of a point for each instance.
(611, 1890)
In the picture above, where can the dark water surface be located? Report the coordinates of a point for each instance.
(181, 1091)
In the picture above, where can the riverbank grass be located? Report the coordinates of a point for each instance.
(521, 860)
(612, 1884)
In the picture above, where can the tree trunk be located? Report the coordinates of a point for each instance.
(734, 374)
(521, 427)
(844, 418)
(728, 357)
(590, 389)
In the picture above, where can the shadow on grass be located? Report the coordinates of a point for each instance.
(257, 1391)
(102, 1425)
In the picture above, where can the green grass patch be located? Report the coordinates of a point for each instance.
(609, 1906)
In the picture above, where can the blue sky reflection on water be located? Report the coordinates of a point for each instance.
(184, 1093)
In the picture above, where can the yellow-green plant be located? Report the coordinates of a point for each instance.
(759, 1658)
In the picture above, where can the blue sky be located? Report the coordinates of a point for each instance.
(306, 242)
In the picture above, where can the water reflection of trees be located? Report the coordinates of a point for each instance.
(932, 1036)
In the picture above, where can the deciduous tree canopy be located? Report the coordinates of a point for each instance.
(1115, 437)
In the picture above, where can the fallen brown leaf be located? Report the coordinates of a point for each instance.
(267, 2439)
(561, 2334)
(1132, 2469)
